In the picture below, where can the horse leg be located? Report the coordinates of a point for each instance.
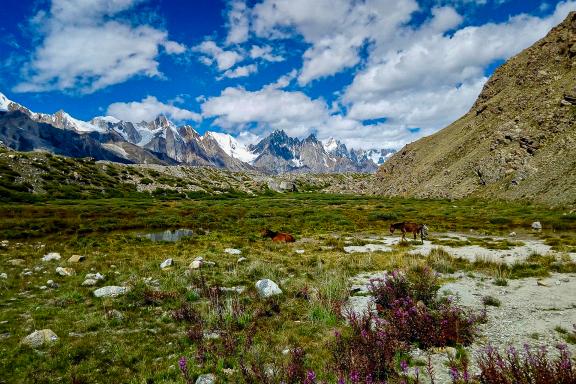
(403, 236)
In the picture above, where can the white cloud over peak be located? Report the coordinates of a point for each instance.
(224, 59)
(83, 49)
(238, 22)
(148, 109)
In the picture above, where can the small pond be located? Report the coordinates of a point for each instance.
(168, 235)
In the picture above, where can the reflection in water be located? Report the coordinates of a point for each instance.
(169, 235)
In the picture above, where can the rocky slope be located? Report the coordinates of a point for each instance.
(517, 142)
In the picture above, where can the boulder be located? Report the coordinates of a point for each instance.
(241, 259)
(206, 379)
(89, 283)
(197, 263)
(16, 262)
(3, 275)
(94, 276)
(65, 271)
(166, 263)
(288, 186)
(51, 256)
(267, 288)
(52, 284)
(38, 338)
(537, 226)
(233, 251)
(110, 291)
(76, 258)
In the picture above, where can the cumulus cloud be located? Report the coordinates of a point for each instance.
(148, 109)
(84, 49)
(223, 59)
(411, 79)
(264, 53)
(238, 23)
(241, 71)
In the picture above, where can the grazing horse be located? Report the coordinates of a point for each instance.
(414, 228)
(280, 237)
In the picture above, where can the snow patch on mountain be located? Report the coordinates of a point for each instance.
(232, 147)
(4, 102)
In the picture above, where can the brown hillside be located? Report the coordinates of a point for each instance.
(518, 141)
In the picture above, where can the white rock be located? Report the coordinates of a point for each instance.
(241, 259)
(64, 271)
(358, 305)
(43, 287)
(512, 234)
(537, 226)
(267, 288)
(89, 283)
(206, 379)
(51, 256)
(110, 291)
(38, 338)
(197, 263)
(3, 275)
(166, 263)
(94, 276)
(233, 251)
(299, 251)
(51, 284)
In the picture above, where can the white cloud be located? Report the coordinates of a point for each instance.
(435, 78)
(238, 23)
(148, 109)
(264, 53)
(84, 50)
(241, 71)
(214, 54)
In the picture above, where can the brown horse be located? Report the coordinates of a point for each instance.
(413, 228)
(280, 237)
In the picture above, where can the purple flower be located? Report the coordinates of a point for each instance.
(404, 366)
(454, 373)
(182, 363)
(310, 377)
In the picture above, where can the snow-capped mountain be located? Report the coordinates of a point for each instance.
(161, 141)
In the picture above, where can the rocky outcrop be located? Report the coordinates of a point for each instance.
(516, 142)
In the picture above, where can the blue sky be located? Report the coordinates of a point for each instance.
(373, 73)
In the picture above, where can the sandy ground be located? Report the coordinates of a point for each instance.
(530, 308)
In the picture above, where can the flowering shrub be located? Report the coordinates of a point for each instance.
(411, 306)
(534, 366)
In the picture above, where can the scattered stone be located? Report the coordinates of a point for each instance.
(166, 263)
(267, 288)
(238, 289)
(112, 266)
(512, 234)
(51, 256)
(542, 283)
(38, 269)
(38, 338)
(537, 226)
(358, 305)
(115, 315)
(151, 282)
(299, 251)
(197, 263)
(206, 379)
(3, 275)
(43, 287)
(233, 251)
(110, 291)
(52, 284)
(565, 280)
(241, 259)
(210, 335)
(16, 262)
(27, 273)
(94, 276)
(65, 271)
(89, 283)
(76, 258)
